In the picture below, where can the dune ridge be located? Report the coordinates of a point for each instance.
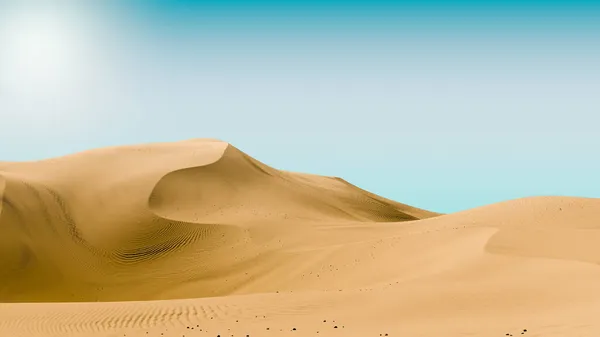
(162, 239)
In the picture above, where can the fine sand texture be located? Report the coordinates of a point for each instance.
(197, 238)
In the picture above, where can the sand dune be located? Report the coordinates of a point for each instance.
(197, 238)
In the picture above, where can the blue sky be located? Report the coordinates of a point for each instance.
(442, 105)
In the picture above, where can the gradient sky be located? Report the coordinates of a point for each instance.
(441, 105)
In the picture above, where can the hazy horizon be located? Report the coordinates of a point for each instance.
(440, 106)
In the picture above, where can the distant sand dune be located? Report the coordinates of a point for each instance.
(237, 188)
(162, 239)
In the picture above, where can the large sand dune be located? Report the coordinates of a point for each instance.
(197, 238)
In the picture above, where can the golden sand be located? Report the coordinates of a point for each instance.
(197, 238)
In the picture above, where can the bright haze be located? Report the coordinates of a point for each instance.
(444, 107)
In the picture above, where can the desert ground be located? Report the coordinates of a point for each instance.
(197, 238)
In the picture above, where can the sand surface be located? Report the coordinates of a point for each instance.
(197, 238)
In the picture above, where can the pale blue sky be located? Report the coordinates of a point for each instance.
(442, 106)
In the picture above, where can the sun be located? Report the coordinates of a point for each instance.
(40, 50)
(40, 47)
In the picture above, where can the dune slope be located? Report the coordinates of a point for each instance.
(94, 225)
(198, 238)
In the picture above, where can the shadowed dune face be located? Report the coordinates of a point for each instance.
(2, 187)
(9, 239)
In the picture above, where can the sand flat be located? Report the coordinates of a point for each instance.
(197, 238)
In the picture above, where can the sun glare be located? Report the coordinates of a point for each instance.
(39, 50)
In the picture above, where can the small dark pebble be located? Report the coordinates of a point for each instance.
(335, 327)
(294, 329)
